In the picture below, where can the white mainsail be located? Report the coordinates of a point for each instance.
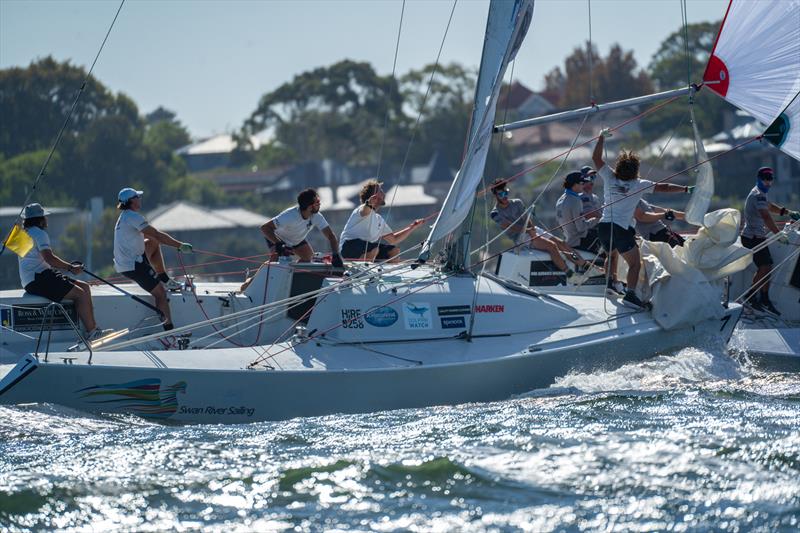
(506, 27)
(755, 64)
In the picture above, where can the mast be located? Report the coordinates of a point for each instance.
(506, 26)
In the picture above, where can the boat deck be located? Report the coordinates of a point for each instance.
(323, 354)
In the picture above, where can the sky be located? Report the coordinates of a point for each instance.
(210, 61)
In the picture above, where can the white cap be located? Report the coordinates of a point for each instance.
(127, 193)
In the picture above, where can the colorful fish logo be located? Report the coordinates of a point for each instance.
(144, 397)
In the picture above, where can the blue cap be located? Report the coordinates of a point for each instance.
(127, 194)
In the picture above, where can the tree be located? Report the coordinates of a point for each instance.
(106, 145)
(444, 116)
(331, 112)
(669, 69)
(614, 77)
(35, 101)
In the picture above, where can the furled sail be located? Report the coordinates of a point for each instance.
(704, 184)
(506, 27)
(755, 63)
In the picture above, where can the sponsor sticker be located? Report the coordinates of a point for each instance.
(352, 319)
(382, 317)
(490, 308)
(417, 315)
(29, 317)
(450, 322)
(450, 310)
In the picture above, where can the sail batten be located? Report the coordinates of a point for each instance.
(506, 26)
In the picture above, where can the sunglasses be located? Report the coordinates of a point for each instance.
(502, 194)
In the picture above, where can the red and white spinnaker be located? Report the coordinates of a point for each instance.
(755, 65)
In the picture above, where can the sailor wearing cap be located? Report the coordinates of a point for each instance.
(592, 206)
(38, 274)
(139, 258)
(758, 223)
(569, 213)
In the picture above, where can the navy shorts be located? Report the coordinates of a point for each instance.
(50, 284)
(590, 243)
(762, 257)
(357, 248)
(143, 274)
(615, 237)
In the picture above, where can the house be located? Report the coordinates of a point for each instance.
(216, 151)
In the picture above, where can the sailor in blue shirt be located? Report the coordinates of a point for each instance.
(758, 224)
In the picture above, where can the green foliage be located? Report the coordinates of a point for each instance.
(615, 77)
(331, 112)
(16, 179)
(106, 146)
(444, 117)
(34, 102)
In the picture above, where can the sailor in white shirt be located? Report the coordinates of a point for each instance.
(286, 233)
(365, 228)
(623, 188)
(38, 274)
(139, 258)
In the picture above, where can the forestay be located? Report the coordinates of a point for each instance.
(506, 27)
(755, 65)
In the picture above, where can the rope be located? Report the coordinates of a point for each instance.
(530, 208)
(615, 128)
(756, 287)
(480, 261)
(64, 126)
(202, 309)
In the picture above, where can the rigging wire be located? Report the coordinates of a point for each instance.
(421, 109)
(591, 54)
(480, 261)
(388, 103)
(685, 20)
(66, 123)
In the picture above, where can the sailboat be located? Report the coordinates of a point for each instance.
(397, 336)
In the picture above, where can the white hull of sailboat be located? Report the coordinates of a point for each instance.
(315, 379)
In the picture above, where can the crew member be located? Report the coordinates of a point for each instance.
(592, 206)
(365, 228)
(569, 212)
(623, 188)
(137, 251)
(286, 233)
(510, 213)
(38, 274)
(650, 223)
(758, 223)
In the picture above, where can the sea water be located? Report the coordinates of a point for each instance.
(691, 442)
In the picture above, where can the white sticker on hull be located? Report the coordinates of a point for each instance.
(417, 315)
